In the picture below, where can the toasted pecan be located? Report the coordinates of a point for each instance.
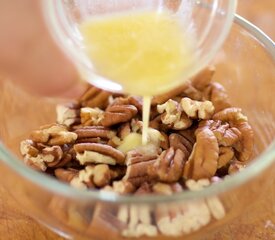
(102, 149)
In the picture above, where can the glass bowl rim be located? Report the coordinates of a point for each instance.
(57, 187)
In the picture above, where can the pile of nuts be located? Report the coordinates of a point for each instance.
(195, 139)
(194, 134)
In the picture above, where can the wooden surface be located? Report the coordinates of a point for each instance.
(256, 224)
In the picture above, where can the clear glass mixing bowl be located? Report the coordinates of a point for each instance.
(245, 66)
(208, 22)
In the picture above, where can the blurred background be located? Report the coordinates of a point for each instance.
(259, 12)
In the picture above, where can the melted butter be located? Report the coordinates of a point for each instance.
(145, 118)
(130, 142)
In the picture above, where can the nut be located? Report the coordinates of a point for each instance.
(105, 221)
(203, 78)
(247, 142)
(52, 155)
(90, 132)
(145, 188)
(91, 116)
(236, 119)
(27, 147)
(197, 109)
(227, 136)
(68, 114)
(138, 220)
(173, 116)
(36, 163)
(98, 175)
(118, 114)
(164, 141)
(41, 157)
(216, 207)
(187, 217)
(169, 166)
(202, 163)
(98, 153)
(231, 115)
(54, 134)
(192, 92)
(166, 189)
(226, 154)
(197, 185)
(137, 167)
(236, 166)
(94, 97)
(216, 93)
(177, 219)
(123, 187)
(65, 175)
(178, 141)
(131, 100)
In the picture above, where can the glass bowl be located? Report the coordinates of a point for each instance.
(245, 66)
(206, 23)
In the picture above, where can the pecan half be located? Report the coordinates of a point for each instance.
(123, 187)
(235, 118)
(164, 141)
(65, 175)
(169, 166)
(138, 219)
(178, 141)
(232, 115)
(197, 109)
(131, 100)
(94, 132)
(214, 204)
(203, 161)
(98, 153)
(197, 185)
(182, 218)
(118, 114)
(94, 97)
(216, 93)
(226, 154)
(247, 142)
(192, 92)
(137, 167)
(227, 136)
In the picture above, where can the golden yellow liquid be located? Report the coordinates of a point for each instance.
(145, 52)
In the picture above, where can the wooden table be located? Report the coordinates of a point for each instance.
(258, 223)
